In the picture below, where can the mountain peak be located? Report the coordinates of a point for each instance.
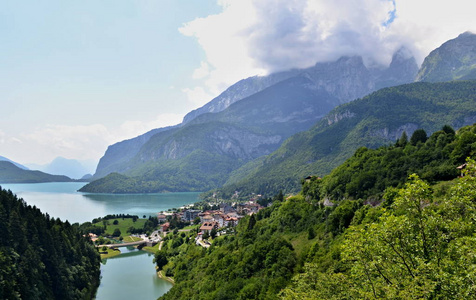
(453, 60)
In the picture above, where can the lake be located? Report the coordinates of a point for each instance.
(61, 200)
(130, 275)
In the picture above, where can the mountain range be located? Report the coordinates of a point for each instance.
(63, 166)
(230, 138)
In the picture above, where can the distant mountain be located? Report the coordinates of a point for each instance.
(454, 60)
(2, 158)
(9, 173)
(118, 155)
(69, 167)
(201, 152)
(376, 120)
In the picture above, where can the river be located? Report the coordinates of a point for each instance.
(130, 275)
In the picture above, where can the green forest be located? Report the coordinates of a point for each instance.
(406, 235)
(43, 257)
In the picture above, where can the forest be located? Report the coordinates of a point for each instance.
(43, 257)
(409, 236)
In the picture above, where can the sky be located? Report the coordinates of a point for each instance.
(77, 76)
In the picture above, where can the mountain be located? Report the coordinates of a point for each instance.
(9, 173)
(69, 167)
(2, 158)
(375, 120)
(454, 60)
(118, 154)
(239, 131)
(202, 152)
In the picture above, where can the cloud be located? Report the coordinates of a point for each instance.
(262, 36)
(130, 129)
(83, 142)
(202, 72)
(198, 96)
(80, 142)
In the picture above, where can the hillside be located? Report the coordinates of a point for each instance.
(376, 120)
(2, 158)
(9, 173)
(454, 60)
(43, 257)
(299, 248)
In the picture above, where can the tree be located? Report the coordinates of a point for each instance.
(418, 135)
(311, 233)
(417, 250)
(213, 233)
(116, 233)
(160, 259)
(115, 222)
(403, 140)
(196, 221)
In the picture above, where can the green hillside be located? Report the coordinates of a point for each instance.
(9, 173)
(376, 120)
(43, 257)
(416, 242)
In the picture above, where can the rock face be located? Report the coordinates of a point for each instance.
(116, 157)
(334, 82)
(252, 118)
(454, 60)
(375, 120)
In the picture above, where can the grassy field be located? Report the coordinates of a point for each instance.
(152, 249)
(123, 225)
(129, 239)
(110, 253)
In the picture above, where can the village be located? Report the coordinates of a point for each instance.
(213, 222)
(208, 223)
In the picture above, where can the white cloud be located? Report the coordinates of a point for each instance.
(84, 142)
(130, 129)
(261, 36)
(198, 96)
(80, 142)
(202, 72)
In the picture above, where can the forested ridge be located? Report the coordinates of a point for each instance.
(402, 238)
(373, 121)
(43, 257)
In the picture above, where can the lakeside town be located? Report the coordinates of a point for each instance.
(204, 222)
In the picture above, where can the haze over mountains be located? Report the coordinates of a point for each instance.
(63, 166)
(255, 116)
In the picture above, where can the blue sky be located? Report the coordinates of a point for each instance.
(77, 76)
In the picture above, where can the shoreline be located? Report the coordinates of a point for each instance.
(162, 276)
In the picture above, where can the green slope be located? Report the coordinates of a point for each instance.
(376, 120)
(43, 257)
(302, 239)
(9, 173)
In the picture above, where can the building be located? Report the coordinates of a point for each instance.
(164, 227)
(208, 227)
(190, 215)
(161, 218)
